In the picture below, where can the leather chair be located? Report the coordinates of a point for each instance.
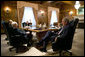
(14, 40)
(24, 24)
(66, 45)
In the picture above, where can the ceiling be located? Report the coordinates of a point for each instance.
(48, 3)
(54, 3)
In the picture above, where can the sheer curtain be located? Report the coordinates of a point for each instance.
(53, 17)
(29, 15)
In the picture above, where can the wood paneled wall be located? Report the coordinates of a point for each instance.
(42, 18)
(15, 5)
(12, 14)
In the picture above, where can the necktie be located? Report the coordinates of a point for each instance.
(60, 31)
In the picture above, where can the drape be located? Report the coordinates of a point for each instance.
(21, 12)
(57, 14)
(35, 15)
(49, 17)
(50, 9)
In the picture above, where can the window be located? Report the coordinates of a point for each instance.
(53, 17)
(29, 16)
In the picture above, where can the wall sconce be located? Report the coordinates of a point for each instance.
(71, 12)
(7, 9)
(77, 5)
(42, 12)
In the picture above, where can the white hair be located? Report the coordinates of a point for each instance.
(14, 23)
(10, 20)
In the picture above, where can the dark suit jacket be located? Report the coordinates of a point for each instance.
(8, 27)
(25, 24)
(23, 36)
(62, 38)
(65, 32)
(17, 31)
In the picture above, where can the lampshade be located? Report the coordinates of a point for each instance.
(77, 5)
(7, 9)
(42, 12)
(71, 12)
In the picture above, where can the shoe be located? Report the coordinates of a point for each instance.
(38, 44)
(43, 50)
(28, 45)
(56, 51)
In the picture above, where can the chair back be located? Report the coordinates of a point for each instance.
(14, 40)
(24, 24)
(66, 43)
(72, 27)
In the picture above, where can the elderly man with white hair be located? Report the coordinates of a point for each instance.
(9, 27)
(14, 24)
(24, 35)
(10, 22)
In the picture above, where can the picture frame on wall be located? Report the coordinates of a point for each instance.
(81, 10)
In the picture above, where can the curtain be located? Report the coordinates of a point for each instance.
(57, 14)
(29, 16)
(35, 15)
(49, 17)
(21, 12)
(53, 17)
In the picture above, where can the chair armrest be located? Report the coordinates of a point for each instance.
(16, 36)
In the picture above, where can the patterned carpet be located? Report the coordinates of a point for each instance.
(77, 47)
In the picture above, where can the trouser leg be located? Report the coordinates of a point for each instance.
(29, 39)
(52, 38)
(46, 37)
(45, 43)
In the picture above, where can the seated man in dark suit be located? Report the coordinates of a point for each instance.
(24, 35)
(7, 26)
(25, 23)
(54, 36)
(10, 22)
(10, 25)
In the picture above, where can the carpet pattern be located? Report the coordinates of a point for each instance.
(77, 47)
